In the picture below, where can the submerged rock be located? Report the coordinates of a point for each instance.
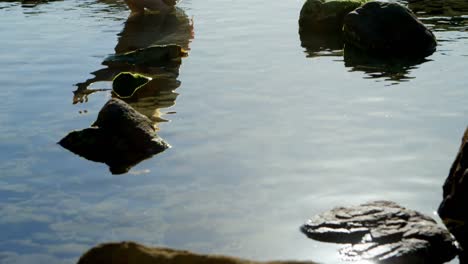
(125, 84)
(322, 16)
(133, 253)
(120, 137)
(388, 28)
(383, 231)
(454, 208)
(153, 56)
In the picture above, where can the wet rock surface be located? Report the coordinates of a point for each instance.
(383, 231)
(133, 253)
(454, 209)
(321, 16)
(388, 28)
(121, 137)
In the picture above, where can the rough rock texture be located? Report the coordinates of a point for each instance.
(153, 56)
(133, 253)
(120, 137)
(454, 208)
(388, 28)
(321, 16)
(383, 231)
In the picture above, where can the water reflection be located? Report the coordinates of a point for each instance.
(317, 45)
(450, 15)
(140, 34)
(390, 69)
(394, 70)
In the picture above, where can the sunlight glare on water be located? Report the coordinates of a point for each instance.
(266, 130)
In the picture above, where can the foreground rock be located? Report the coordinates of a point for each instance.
(388, 28)
(120, 137)
(454, 208)
(383, 231)
(133, 253)
(321, 16)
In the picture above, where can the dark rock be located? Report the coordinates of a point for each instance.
(133, 253)
(153, 56)
(385, 232)
(321, 16)
(388, 28)
(454, 209)
(125, 84)
(120, 137)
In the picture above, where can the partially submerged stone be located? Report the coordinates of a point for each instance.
(383, 231)
(120, 137)
(153, 56)
(133, 253)
(125, 84)
(322, 16)
(388, 28)
(454, 208)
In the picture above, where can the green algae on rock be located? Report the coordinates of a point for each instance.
(322, 16)
(125, 84)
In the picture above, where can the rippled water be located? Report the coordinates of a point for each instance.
(264, 132)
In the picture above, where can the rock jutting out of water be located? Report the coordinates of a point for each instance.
(388, 28)
(133, 253)
(125, 84)
(120, 137)
(321, 16)
(454, 209)
(385, 232)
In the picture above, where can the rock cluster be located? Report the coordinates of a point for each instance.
(133, 253)
(383, 231)
(120, 137)
(454, 209)
(380, 28)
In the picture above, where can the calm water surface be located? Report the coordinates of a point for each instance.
(265, 133)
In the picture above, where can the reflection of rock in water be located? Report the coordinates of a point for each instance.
(317, 44)
(141, 32)
(158, 93)
(389, 68)
(121, 137)
(442, 15)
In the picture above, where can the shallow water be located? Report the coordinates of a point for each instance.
(264, 134)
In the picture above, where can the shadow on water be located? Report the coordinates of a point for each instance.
(317, 45)
(448, 15)
(139, 33)
(390, 69)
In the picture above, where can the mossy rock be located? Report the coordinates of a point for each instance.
(321, 16)
(125, 84)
